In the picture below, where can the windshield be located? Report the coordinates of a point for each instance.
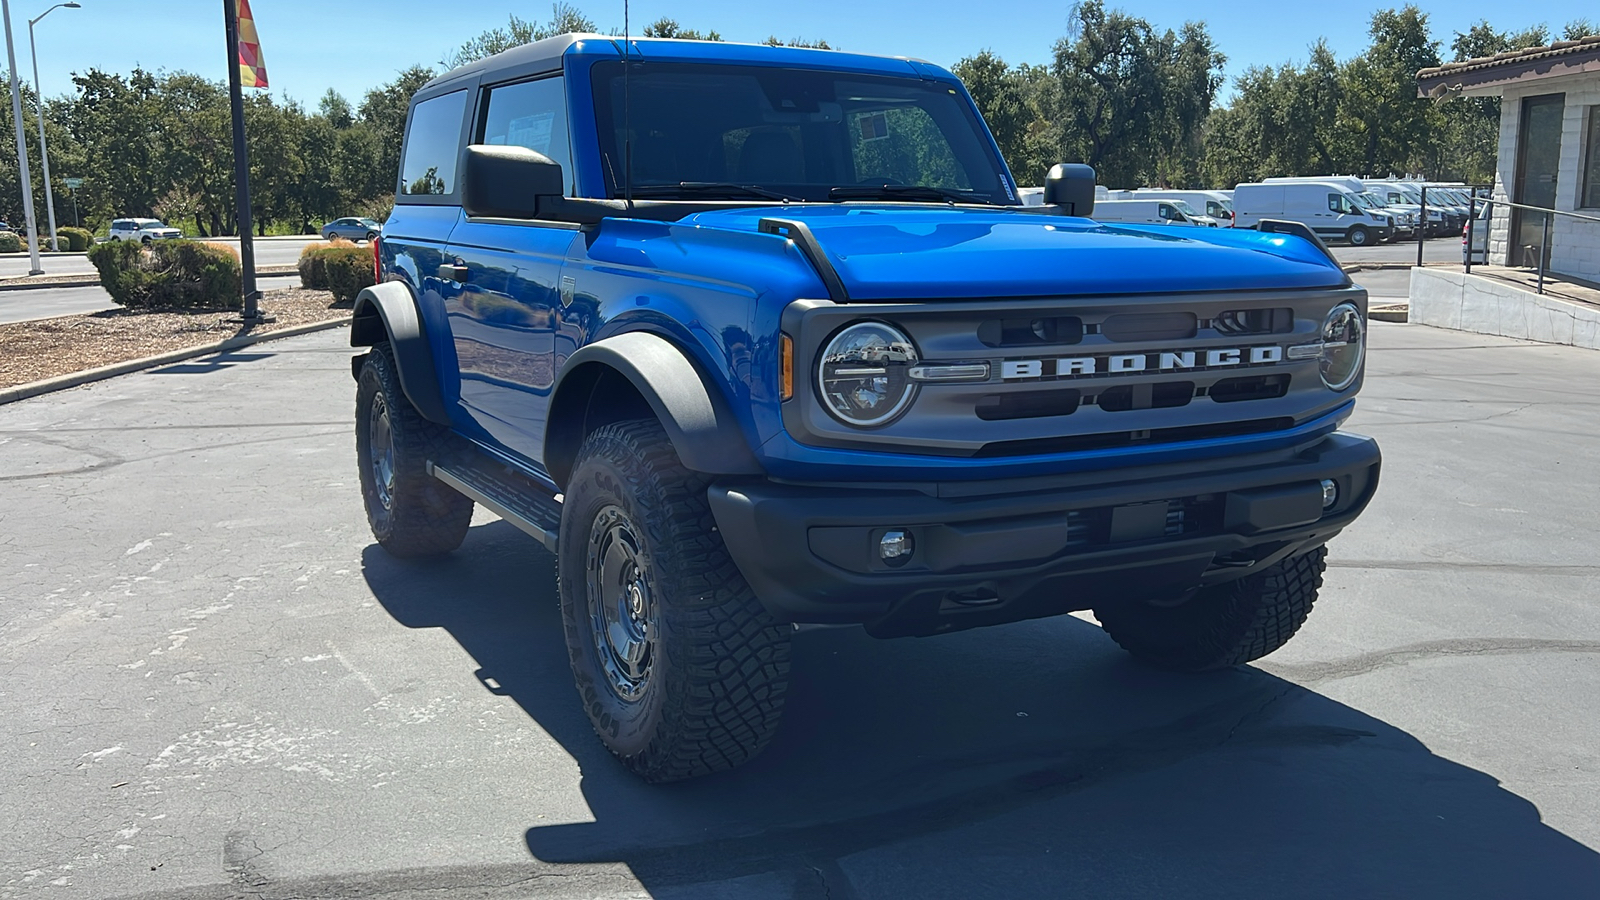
(1184, 206)
(734, 132)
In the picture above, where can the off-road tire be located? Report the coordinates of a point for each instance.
(422, 516)
(1359, 236)
(1220, 626)
(713, 693)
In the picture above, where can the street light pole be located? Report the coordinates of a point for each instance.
(22, 146)
(44, 152)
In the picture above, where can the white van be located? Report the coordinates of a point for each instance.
(1149, 212)
(1034, 196)
(1215, 204)
(1332, 211)
(1405, 217)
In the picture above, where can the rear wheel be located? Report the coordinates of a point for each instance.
(1223, 625)
(333, 235)
(680, 668)
(1359, 236)
(411, 512)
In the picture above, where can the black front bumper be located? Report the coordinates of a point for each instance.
(991, 552)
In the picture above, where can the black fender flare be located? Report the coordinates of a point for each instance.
(388, 311)
(695, 415)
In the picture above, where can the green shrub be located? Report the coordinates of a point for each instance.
(347, 270)
(169, 274)
(312, 264)
(76, 240)
(10, 242)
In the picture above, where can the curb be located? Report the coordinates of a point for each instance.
(1400, 314)
(94, 280)
(62, 382)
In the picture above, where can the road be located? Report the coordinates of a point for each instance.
(45, 303)
(216, 685)
(1439, 249)
(269, 252)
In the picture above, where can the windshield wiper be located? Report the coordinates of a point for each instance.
(706, 187)
(903, 192)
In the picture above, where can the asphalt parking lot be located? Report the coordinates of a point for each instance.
(216, 685)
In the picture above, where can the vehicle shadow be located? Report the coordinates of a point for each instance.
(1026, 760)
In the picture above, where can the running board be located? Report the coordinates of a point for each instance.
(507, 494)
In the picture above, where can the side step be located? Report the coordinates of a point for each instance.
(512, 496)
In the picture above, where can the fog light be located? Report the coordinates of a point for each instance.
(1330, 493)
(895, 547)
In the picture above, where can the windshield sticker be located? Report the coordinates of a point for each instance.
(874, 126)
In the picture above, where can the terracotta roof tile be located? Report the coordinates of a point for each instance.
(1559, 48)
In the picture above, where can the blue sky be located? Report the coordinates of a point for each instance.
(311, 45)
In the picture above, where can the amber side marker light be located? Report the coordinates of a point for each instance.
(785, 367)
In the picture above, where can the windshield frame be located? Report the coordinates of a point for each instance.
(975, 156)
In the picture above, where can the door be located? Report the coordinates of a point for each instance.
(1538, 155)
(505, 277)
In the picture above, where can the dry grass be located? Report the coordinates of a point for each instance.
(46, 348)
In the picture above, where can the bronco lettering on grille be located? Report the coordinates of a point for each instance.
(1134, 363)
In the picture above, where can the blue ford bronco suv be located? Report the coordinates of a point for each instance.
(757, 337)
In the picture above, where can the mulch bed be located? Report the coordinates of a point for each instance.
(46, 348)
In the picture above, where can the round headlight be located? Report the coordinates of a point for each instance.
(864, 374)
(1344, 344)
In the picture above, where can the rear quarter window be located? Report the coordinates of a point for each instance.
(433, 146)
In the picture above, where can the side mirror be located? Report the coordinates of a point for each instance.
(509, 182)
(1071, 187)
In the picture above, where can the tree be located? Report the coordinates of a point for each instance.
(774, 41)
(669, 28)
(1001, 96)
(1395, 127)
(336, 110)
(564, 19)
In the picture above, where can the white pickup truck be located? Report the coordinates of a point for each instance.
(143, 230)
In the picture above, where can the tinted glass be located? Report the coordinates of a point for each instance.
(433, 145)
(531, 114)
(800, 132)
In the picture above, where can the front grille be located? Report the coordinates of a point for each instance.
(1070, 443)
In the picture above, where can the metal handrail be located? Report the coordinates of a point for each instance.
(1544, 240)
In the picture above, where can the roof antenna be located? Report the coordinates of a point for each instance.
(627, 119)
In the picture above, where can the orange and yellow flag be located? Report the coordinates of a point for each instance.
(252, 67)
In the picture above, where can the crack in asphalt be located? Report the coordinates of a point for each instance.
(1320, 672)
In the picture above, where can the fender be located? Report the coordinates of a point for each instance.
(697, 419)
(389, 311)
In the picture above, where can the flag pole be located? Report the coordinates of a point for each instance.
(241, 171)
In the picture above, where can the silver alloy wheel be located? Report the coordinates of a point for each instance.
(622, 609)
(380, 447)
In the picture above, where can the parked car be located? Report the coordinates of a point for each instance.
(805, 378)
(1211, 203)
(5, 227)
(143, 230)
(1331, 210)
(351, 229)
(1150, 212)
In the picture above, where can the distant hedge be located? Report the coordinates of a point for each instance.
(169, 274)
(340, 267)
(76, 239)
(10, 242)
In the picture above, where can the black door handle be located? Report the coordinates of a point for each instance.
(454, 273)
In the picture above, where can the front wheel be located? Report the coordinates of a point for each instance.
(1359, 236)
(1220, 626)
(412, 514)
(680, 668)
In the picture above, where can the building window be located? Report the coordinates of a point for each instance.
(1589, 198)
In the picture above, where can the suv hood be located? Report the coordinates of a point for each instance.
(924, 252)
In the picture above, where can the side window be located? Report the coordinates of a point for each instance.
(1167, 211)
(1335, 203)
(531, 114)
(433, 145)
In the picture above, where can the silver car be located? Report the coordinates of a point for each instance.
(351, 228)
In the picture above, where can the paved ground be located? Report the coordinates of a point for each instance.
(269, 252)
(44, 303)
(1439, 249)
(214, 685)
